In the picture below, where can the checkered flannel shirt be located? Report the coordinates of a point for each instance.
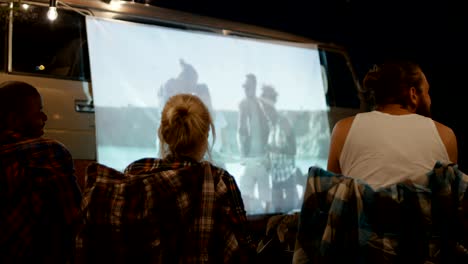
(344, 220)
(193, 211)
(33, 174)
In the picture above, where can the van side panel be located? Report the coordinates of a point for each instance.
(74, 129)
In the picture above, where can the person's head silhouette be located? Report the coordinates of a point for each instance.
(21, 110)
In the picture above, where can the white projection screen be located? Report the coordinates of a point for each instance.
(266, 141)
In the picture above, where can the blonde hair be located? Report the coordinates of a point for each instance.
(185, 126)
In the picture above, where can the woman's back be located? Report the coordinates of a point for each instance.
(201, 214)
(177, 209)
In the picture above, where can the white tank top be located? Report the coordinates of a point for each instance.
(384, 149)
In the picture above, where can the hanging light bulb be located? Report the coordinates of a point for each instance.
(52, 13)
(115, 3)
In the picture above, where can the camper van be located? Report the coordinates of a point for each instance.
(105, 68)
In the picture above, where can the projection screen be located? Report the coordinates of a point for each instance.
(267, 143)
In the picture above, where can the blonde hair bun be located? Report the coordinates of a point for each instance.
(185, 125)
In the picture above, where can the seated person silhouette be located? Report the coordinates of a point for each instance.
(397, 141)
(39, 196)
(392, 192)
(187, 81)
(178, 209)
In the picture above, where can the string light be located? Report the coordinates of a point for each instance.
(52, 13)
(115, 3)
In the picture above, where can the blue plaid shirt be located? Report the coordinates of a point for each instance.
(344, 221)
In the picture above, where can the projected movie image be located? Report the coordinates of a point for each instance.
(267, 100)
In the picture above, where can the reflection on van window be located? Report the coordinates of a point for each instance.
(53, 48)
(342, 91)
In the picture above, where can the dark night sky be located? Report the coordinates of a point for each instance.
(431, 33)
(370, 28)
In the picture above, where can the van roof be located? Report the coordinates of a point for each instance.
(144, 13)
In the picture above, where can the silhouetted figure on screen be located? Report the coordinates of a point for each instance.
(252, 136)
(282, 152)
(185, 82)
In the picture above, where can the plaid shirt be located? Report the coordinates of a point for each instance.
(282, 167)
(344, 221)
(38, 196)
(184, 211)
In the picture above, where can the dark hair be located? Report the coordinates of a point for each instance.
(269, 92)
(13, 99)
(185, 124)
(390, 82)
(252, 77)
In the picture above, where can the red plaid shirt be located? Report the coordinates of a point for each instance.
(181, 211)
(39, 201)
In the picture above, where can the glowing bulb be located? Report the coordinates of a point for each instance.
(25, 6)
(115, 3)
(52, 13)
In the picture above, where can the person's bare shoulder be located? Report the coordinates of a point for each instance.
(341, 130)
(449, 139)
(344, 124)
(338, 138)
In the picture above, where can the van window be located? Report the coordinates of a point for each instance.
(3, 38)
(52, 48)
(3, 50)
(342, 90)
